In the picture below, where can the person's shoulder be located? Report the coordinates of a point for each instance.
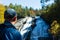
(2, 25)
(9, 32)
(15, 33)
(13, 30)
(12, 33)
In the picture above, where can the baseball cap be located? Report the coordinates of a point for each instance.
(9, 13)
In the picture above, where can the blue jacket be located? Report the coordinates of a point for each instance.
(9, 32)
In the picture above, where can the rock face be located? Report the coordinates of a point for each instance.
(22, 22)
(24, 26)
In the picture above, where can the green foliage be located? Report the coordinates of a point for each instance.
(11, 5)
(51, 13)
(43, 3)
(22, 12)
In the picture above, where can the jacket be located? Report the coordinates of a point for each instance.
(9, 32)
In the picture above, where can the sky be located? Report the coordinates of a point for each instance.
(35, 4)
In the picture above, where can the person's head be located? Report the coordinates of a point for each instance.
(10, 15)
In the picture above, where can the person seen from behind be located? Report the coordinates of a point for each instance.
(7, 30)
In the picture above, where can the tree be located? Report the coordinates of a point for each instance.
(11, 5)
(31, 11)
(43, 3)
(53, 14)
(2, 9)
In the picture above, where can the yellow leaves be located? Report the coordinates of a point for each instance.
(2, 9)
(54, 27)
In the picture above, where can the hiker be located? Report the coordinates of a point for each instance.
(7, 30)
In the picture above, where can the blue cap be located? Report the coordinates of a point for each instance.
(9, 13)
